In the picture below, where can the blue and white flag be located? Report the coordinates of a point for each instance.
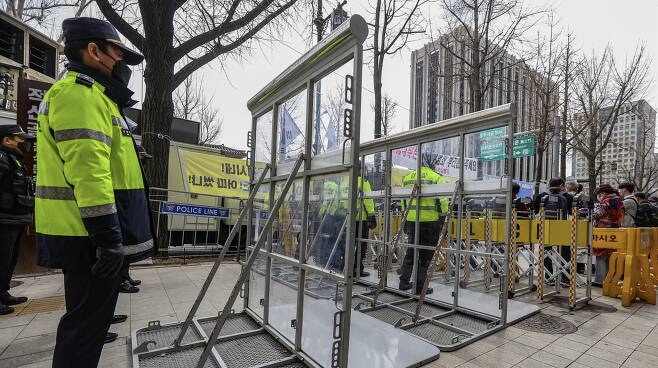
(289, 132)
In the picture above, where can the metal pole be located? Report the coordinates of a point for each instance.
(221, 319)
(219, 260)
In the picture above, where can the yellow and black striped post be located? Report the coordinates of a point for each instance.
(512, 253)
(540, 261)
(467, 235)
(572, 260)
(487, 242)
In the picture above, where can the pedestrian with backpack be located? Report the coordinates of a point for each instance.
(607, 213)
(647, 214)
(557, 205)
(630, 204)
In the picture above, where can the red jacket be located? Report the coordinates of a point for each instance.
(609, 213)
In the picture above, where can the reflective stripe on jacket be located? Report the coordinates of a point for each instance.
(90, 184)
(430, 208)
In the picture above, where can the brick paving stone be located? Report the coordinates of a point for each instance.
(628, 337)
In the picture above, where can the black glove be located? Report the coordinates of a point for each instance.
(109, 261)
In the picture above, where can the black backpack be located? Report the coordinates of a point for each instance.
(647, 215)
(555, 206)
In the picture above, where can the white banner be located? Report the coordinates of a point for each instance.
(445, 165)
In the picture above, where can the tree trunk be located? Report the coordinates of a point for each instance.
(377, 80)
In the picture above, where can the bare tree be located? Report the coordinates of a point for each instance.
(602, 89)
(489, 30)
(570, 64)
(395, 23)
(179, 37)
(191, 103)
(38, 11)
(389, 111)
(546, 80)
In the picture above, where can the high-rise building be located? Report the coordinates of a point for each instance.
(631, 145)
(440, 90)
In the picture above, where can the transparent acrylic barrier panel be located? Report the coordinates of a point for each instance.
(329, 117)
(257, 285)
(317, 331)
(291, 132)
(372, 241)
(487, 147)
(263, 149)
(287, 229)
(283, 294)
(328, 222)
(260, 211)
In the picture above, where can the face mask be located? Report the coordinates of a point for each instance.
(25, 147)
(120, 71)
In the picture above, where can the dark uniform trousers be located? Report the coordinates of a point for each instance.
(361, 247)
(10, 238)
(90, 303)
(428, 235)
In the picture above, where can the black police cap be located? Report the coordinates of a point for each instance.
(14, 129)
(83, 28)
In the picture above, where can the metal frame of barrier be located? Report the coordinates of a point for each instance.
(451, 253)
(199, 234)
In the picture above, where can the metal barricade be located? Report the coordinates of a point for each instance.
(195, 225)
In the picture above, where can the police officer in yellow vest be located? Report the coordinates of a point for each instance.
(431, 214)
(329, 210)
(365, 220)
(91, 205)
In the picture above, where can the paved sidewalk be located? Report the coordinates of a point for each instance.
(627, 338)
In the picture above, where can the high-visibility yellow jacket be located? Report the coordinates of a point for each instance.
(330, 201)
(90, 185)
(365, 207)
(430, 208)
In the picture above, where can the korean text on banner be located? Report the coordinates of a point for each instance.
(212, 174)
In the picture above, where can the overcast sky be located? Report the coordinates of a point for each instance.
(595, 23)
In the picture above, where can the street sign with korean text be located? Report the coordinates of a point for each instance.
(492, 150)
(194, 210)
(493, 133)
(524, 146)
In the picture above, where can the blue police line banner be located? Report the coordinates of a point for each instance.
(194, 210)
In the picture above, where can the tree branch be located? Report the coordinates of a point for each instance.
(122, 26)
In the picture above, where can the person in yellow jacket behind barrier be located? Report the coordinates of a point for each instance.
(92, 211)
(430, 216)
(365, 220)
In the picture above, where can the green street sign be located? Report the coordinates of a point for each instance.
(524, 146)
(493, 133)
(492, 150)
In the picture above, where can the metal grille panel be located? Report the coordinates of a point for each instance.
(295, 365)
(466, 322)
(436, 334)
(427, 310)
(389, 316)
(180, 359)
(387, 297)
(356, 300)
(165, 336)
(234, 324)
(251, 351)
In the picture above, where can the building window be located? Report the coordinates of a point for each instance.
(11, 42)
(432, 88)
(447, 84)
(418, 95)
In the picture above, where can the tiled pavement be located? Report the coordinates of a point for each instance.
(627, 338)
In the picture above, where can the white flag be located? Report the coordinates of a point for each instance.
(289, 132)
